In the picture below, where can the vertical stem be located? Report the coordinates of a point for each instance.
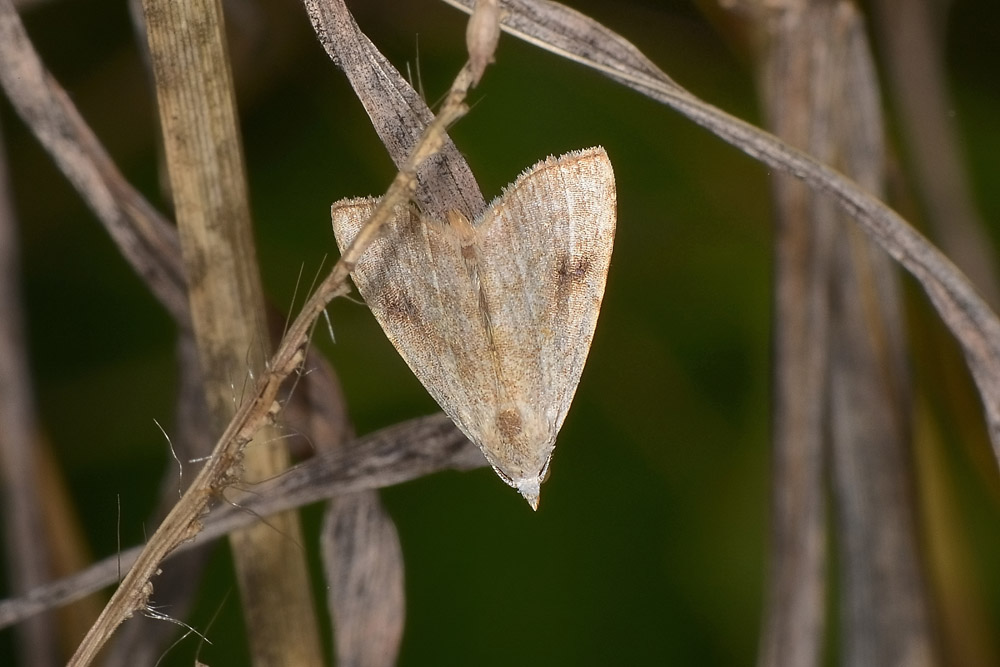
(795, 620)
(840, 365)
(205, 162)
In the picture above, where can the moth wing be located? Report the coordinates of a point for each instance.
(546, 247)
(497, 324)
(413, 279)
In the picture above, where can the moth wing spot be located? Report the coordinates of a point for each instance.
(397, 304)
(573, 270)
(509, 424)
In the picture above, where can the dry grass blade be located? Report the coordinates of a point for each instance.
(48, 111)
(394, 455)
(27, 556)
(840, 371)
(917, 57)
(145, 238)
(571, 35)
(397, 111)
(363, 562)
(202, 144)
(910, 34)
(182, 522)
(795, 610)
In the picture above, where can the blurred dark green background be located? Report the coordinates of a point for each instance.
(649, 545)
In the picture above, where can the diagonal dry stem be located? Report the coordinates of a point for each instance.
(393, 455)
(183, 521)
(196, 100)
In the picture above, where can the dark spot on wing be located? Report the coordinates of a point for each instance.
(509, 424)
(397, 305)
(571, 271)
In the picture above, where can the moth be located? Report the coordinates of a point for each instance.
(495, 316)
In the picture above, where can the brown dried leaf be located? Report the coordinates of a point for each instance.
(361, 555)
(363, 561)
(399, 115)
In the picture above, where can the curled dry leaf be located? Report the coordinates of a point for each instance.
(363, 562)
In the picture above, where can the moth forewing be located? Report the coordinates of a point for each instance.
(495, 316)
